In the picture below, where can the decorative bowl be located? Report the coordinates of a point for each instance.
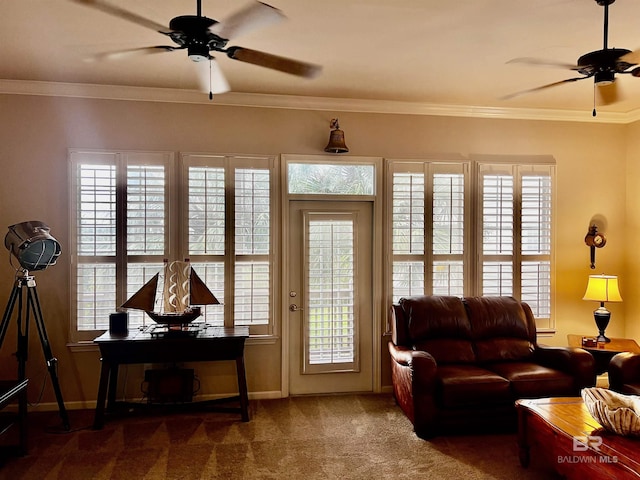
(616, 412)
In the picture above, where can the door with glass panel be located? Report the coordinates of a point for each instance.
(330, 297)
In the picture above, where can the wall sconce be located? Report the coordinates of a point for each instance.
(602, 288)
(594, 240)
(336, 139)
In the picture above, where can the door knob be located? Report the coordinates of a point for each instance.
(294, 308)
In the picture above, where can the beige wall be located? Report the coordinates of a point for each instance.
(36, 131)
(632, 234)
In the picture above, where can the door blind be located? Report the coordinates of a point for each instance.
(331, 291)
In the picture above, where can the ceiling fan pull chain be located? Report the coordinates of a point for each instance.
(594, 113)
(210, 81)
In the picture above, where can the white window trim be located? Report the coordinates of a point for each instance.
(176, 240)
(230, 163)
(472, 223)
(516, 166)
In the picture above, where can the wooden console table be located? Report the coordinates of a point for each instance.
(604, 352)
(138, 346)
(563, 430)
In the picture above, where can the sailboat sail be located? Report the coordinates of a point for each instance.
(176, 287)
(183, 289)
(200, 293)
(145, 298)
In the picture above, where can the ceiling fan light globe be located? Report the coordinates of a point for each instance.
(604, 78)
(198, 52)
(196, 57)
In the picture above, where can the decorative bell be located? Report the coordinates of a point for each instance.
(336, 139)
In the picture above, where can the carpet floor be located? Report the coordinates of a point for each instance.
(327, 437)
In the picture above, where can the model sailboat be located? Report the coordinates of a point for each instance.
(183, 293)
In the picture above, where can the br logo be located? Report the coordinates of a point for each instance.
(584, 443)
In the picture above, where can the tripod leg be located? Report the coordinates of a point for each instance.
(23, 338)
(34, 303)
(6, 318)
(22, 347)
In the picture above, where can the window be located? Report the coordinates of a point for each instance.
(119, 235)
(434, 206)
(330, 178)
(230, 236)
(515, 230)
(332, 291)
(428, 228)
(127, 213)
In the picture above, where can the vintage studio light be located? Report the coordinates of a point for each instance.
(32, 244)
(35, 248)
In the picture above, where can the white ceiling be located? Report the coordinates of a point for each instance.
(450, 53)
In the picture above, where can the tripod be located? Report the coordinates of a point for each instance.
(25, 282)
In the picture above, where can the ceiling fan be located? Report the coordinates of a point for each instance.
(601, 65)
(200, 35)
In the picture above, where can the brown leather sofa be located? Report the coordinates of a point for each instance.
(460, 364)
(624, 373)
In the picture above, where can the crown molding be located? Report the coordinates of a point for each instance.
(296, 102)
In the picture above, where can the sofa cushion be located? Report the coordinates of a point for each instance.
(439, 325)
(469, 385)
(500, 329)
(530, 380)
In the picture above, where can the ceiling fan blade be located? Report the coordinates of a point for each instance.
(631, 57)
(275, 62)
(544, 63)
(125, 14)
(253, 16)
(543, 87)
(120, 54)
(210, 77)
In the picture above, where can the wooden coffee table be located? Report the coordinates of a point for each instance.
(563, 431)
(604, 352)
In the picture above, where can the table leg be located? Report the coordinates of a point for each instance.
(242, 388)
(113, 386)
(98, 421)
(523, 444)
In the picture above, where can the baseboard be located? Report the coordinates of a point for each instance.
(90, 405)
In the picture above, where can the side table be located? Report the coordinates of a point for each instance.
(604, 352)
(210, 344)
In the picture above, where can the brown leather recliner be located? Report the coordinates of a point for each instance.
(624, 373)
(460, 364)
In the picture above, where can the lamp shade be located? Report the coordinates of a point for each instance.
(32, 244)
(603, 288)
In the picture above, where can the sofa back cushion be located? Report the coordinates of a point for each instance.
(439, 325)
(502, 328)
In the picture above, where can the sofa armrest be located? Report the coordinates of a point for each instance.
(413, 374)
(624, 369)
(401, 355)
(576, 362)
(422, 365)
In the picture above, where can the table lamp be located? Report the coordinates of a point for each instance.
(602, 288)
